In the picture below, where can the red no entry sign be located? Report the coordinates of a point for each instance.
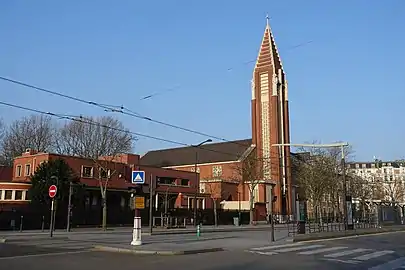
(52, 191)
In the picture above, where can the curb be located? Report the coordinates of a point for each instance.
(16, 240)
(215, 230)
(345, 235)
(155, 252)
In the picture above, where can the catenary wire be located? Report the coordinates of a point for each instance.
(95, 123)
(121, 110)
(126, 111)
(91, 122)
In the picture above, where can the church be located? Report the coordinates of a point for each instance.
(216, 162)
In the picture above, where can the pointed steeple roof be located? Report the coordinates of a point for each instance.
(268, 53)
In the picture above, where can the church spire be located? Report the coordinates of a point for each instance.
(268, 53)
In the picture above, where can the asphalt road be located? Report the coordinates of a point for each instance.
(379, 252)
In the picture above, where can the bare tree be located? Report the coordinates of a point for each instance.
(216, 192)
(35, 132)
(364, 190)
(320, 178)
(250, 172)
(101, 139)
(3, 160)
(91, 137)
(394, 190)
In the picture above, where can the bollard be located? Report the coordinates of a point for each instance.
(43, 223)
(21, 223)
(198, 230)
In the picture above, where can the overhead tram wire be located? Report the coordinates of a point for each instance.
(126, 111)
(84, 120)
(91, 122)
(122, 110)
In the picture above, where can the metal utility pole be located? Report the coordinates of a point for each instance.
(151, 182)
(69, 207)
(196, 180)
(271, 213)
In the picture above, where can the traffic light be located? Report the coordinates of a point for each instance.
(135, 190)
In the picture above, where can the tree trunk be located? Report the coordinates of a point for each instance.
(104, 198)
(251, 209)
(215, 212)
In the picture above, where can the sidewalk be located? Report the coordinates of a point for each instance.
(194, 245)
(145, 230)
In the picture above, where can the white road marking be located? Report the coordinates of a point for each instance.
(44, 254)
(297, 248)
(278, 246)
(373, 255)
(347, 252)
(391, 265)
(263, 253)
(317, 251)
(342, 261)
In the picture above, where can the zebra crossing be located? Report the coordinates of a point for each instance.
(341, 254)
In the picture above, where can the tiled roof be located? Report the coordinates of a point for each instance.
(208, 153)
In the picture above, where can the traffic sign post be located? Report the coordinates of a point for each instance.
(52, 193)
(138, 177)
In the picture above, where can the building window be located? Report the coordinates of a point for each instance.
(202, 188)
(18, 171)
(87, 171)
(18, 195)
(1, 194)
(105, 173)
(27, 169)
(216, 171)
(166, 181)
(184, 182)
(8, 195)
(27, 195)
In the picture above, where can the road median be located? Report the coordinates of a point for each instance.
(344, 234)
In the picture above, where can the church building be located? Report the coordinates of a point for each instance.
(216, 162)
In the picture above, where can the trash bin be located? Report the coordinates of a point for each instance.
(236, 221)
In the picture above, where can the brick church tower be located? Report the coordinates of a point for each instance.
(270, 121)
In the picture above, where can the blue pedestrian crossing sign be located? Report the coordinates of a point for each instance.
(138, 177)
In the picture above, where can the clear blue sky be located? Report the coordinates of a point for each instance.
(348, 84)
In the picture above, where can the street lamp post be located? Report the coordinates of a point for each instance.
(196, 179)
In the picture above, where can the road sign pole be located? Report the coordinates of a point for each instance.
(151, 204)
(52, 193)
(136, 233)
(51, 225)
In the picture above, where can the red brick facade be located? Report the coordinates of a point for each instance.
(183, 185)
(270, 121)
